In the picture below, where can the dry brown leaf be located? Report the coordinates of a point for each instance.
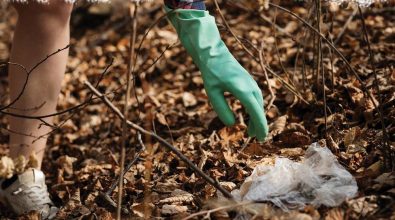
(291, 26)
(297, 127)
(170, 36)
(173, 209)
(104, 214)
(231, 158)
(74, 207)
(71, 137)
(293, 215)
(278, 125)
(292, 152)
(188, 99)
(255, 149)
(350, 136)
(228, 185)
(355, 93)
(363, 206)
(32, 215)
(374, 169)
(260, 4)
(203, 158)
(166, 187)
(232, 134)
(332, 145)
(290, 98)
(161, 118)
(140, 208)
(391, 192)
(294, 139)
(335, 214)
(385, 179)
(180, 199)
(66, 163)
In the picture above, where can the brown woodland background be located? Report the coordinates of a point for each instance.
(316, 97)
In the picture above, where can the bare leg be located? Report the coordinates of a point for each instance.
(41, 29)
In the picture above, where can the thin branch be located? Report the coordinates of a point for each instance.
(78, 106)
(269, 86)
(278, 51)
(290, 87)
(107, 195)
(133, 14)
(376, 84)
(160, 140)
(334, 49)
(28, 74)
(207, 213)
(230, 30)
(345, 26)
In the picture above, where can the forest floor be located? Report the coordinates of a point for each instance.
(82, 159)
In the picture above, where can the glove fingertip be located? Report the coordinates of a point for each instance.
(251, 130)
(263, 130)
(261, 135)
(228, 120)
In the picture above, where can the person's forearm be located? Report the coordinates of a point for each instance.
(186, 4)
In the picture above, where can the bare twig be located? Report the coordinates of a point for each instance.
(320, 63)
(133, 8)
(230, 30)
(387, 149)
(28, 74)
(352, 70)
(107, 195)
(160, 140)
(78, 106)
(207, 213)
(339, 37)
(290, 87)
(273, 96)
(278, 51)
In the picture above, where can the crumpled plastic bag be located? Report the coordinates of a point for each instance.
(318, 180)
(362, 3)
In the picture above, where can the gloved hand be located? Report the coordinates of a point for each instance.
(221, 72)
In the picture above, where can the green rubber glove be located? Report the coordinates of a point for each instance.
(221, 72)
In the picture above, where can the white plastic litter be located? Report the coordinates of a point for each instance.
(362, 3)
(318, 180)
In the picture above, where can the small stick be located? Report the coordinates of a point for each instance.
(387, 150)
(200, 172)
(107, 195)
(245, 144)
(287, 85)
(230, 30)
(76, 107)
(273, 96)
(207, 213)
(339, 37)
(342, 57)
(133, 14)
(28, 74)
(128, 167)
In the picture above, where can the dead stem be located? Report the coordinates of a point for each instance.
(133, 14)
(390, 164)
(207, 213)
(134, 126)
(273, 96)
